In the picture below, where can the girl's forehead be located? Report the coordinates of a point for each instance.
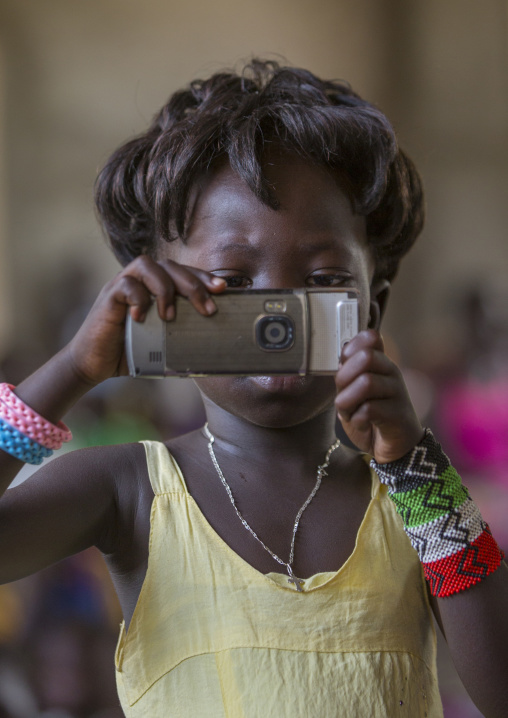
(314, 222)
(308, 197)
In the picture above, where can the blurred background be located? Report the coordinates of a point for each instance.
(77, 79)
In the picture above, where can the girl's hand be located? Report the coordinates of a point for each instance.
(372, 400)
(97, 351)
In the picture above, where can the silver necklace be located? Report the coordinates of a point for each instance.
(297, 582)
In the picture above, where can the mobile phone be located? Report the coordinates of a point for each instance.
(254, 331)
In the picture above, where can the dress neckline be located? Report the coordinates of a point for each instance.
(280, 580)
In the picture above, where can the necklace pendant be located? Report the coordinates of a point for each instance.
(298, 582)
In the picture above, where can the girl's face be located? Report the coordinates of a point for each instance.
(312, 240)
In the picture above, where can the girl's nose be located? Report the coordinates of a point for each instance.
(281, 279)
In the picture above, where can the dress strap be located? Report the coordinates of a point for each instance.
(375, 484)
(165, 474)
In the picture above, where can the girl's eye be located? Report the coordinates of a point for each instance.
(235, 281)
(327, 280)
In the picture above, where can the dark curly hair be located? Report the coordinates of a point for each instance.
(142, 193)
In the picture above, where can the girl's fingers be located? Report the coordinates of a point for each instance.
(366, 389)
(144, 279)
(132, 292)
(372, 400)
(367, 339)
(364, 356)
(195, 285)
(366, 361)
(370, 414)
(139, 282)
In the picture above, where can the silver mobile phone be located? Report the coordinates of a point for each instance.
(254, 331)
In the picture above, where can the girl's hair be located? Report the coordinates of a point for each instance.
(142, 194)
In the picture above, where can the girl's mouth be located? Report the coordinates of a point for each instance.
(277, 384)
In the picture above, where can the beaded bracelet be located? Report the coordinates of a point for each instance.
(20, 416)
(443, 523)
(20, 446)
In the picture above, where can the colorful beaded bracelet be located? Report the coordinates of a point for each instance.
(20, 446)
(14, 411)
(443, 523)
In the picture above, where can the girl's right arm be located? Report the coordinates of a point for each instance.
(68, 505)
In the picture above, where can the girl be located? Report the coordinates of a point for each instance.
(262, 568)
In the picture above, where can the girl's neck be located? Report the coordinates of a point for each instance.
(305, 443)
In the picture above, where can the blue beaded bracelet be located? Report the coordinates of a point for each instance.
(20, 446)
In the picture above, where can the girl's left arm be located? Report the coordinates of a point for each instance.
(475, 625)
(376, 412)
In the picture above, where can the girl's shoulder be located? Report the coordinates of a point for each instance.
(97, 496)
(355, 463)
(117, 475)
(126, 460)
(114, 475)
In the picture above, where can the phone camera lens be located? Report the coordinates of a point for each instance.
(275, 333)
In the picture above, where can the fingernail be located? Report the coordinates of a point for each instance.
(218, 281)
(210, 306)
(170, 313)
(137, 314)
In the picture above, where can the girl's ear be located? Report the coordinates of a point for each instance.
(379, 293)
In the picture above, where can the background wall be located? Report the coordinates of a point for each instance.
(78, 78)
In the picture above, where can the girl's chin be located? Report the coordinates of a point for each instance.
(270, 401)
(258, 394)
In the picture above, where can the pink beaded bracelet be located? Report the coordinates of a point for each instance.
(14, 411)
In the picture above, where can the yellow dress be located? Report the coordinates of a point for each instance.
(212, 636)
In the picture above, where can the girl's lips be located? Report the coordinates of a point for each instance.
(293, 384)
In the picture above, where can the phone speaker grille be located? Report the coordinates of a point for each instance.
(155, 357)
